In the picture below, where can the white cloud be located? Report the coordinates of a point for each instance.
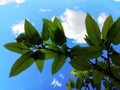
(18, 28)
(45, 10)
(3, 2)
(61, 75)
(55, 83)
(101, 18)
(19, 1)
(117, 0)
(74, 25)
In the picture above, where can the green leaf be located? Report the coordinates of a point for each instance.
(68, 86)
(21, 38)
(58, 23)
(74, 72)
(57, 37)
(113, 35)
(107, 86)
(82, 54)
(92, 30)
(45, 31)
(56, 32)
(17, 47)
(115, 58)
(72, 84)
(96, 73)
(98, 86)
(83, 74)
(106, 26)
(78, 84)
(31, 34)
(58, 63)
(80, 64)
(21, 64)
(50, 25)
(96, 78)
(48, 54)
(86, 52)
(40, 65)
(116, 71)
(116, 84)
(88, 41)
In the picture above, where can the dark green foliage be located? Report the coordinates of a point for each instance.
(78, 84)
(45, 30)
(106, 27)
(115, 58)
(58, 63)
(22, 39)
(33, 48)
(58, 37)
(38, 55)
(86, 52)
(95, 64)
(93, 31)
(80, 64)
(48, 54)
(58, 23)
(17, 47)
(31, 34)
(113, 35)
(88, 41)
(54, 31)
(97, 77)
(21, 64)
(68, 86)
(40, 64)
(72, 84)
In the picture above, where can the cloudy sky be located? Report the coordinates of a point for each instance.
(72, 14)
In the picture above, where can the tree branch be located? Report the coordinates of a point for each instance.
(98, 68)
(108, 61)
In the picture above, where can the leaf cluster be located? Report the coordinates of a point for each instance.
(99, 59)
(95, 64)
(36, 48)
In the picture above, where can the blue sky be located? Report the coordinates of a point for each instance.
(72, 14)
